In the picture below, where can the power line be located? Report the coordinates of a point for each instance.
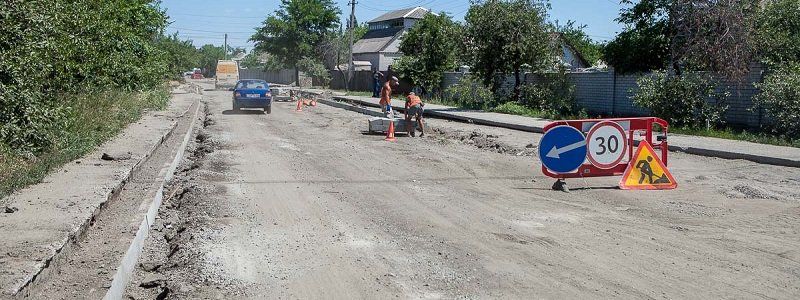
(209, 31)
(416, 4)
(222, 17)
(351, 24)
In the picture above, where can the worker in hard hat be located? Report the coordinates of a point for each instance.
(414, 108)
(386, 95)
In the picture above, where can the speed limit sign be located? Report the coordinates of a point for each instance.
(607, 144)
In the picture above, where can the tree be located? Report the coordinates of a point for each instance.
(52, 49)
(260, 60)
(713, 35)
(710, 35)
(296, 29)
(315, 69)
(780, 98)
(209, 56)
(181, 55)
(251, 61)
(644, 45)
(778, 32)
(576, 36)
(429, 50)
(334, 49)
(682, 100)
(502, 36)
(236, 51)
(778, 41)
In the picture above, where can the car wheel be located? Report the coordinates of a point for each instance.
(268, 109)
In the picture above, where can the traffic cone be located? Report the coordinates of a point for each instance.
(314, 102)
(390, 134)
(299, 106)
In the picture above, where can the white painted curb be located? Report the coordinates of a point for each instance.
(128, 264)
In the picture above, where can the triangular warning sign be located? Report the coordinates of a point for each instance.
(646, 171)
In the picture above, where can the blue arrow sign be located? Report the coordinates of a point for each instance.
(562, 149)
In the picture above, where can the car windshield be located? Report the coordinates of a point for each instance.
(252, 85)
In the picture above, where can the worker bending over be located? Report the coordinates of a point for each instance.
(414, 108)
(386, 95)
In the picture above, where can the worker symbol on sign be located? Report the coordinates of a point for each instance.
(644, 167)
(646, 171)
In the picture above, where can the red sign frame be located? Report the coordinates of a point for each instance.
(643, 125)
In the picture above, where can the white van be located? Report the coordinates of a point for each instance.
(227, 74)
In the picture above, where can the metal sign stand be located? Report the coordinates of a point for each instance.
(560, 157)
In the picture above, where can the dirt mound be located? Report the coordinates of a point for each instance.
(485, 141)
(171, 264)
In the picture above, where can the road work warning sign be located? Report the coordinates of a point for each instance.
(646, 171)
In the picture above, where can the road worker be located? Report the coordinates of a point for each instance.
(386, 95)
(377, 77)
(414, 108)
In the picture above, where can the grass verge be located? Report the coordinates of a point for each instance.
(739, 135)
(354, 93)
(513, 108)
(92, 119)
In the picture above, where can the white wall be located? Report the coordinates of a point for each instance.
(387, 59)
(373, 58)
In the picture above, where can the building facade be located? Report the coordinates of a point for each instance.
(380, 46)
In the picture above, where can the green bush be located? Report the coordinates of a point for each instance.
(180, 55)
(689, 100)
(778, 32)
(314, 69)
(88, 121)
(780, 97)
(53, 49)
(553, 94)
(469, 92)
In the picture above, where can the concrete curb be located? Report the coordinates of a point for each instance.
(128, 263)
(351, 107)
(81, 229)
(761, 159)
(766, 160)
(444, 115)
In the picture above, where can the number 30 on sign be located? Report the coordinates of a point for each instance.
(607, 144)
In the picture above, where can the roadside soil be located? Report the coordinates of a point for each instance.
(85, 268)
(308, 205)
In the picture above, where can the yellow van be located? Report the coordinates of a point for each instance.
(227, 74)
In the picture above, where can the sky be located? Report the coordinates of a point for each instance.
(206, 21)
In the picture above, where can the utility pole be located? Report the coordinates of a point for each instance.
(351, 26)
(226, 46)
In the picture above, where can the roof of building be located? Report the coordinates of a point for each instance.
(239, 56)
(358, 65)
(408, 13)
(376, 40)
(582, 60)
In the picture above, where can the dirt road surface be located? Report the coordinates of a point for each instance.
(305, 205)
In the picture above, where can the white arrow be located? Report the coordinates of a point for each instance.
(556, 152)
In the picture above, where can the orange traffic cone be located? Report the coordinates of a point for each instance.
(299, 106)
(313, 102)
(390, 134)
